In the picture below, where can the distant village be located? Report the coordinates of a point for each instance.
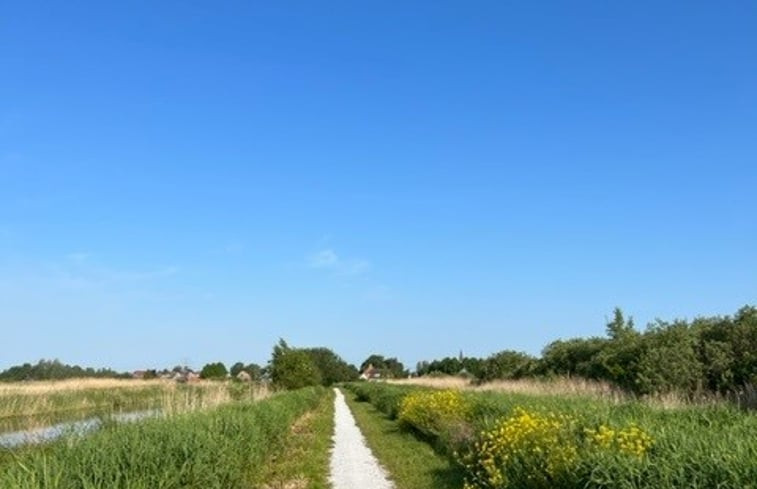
(185, 375)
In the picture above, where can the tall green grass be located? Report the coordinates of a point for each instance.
(699, 447)
(217, 449)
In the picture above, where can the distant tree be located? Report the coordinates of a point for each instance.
(236, 369)
(389, 367)
(214, 371)
(331, 366)
(618, 328)
(54, 370)
(577, 356)
(378, 361)
(255, 371)
(507, 364)
(422, 367)
(150, 374)
(291, 368)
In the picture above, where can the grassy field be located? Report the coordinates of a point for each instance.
(31, 404)
(517, 440)
(222, 448)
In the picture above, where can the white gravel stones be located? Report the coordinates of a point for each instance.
(353, 466)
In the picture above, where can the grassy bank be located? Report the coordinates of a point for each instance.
(303, 461)
(509, 440)
(222, 448)
(412, 463)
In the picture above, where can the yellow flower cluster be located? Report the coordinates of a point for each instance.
(631, 440)
(541, 445)
(535, 450)
(433, 411)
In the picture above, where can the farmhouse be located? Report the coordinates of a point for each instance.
(244, 376)
(370, 373)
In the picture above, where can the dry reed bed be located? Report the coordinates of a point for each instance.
(555, 386)
(38, 387)
(32, 404)
(563, 386)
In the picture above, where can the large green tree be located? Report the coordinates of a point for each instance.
(292, 368)
(332, 367)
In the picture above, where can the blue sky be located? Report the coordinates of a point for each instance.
(190, 181)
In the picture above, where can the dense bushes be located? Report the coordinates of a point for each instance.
(706, 355)
(219, 449)
(293, 368)
(513, 441)
(331, 366)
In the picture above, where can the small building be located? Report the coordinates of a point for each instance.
(243, 376)
(370, 373)
(186, 377)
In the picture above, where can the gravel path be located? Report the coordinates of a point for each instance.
(353, 466)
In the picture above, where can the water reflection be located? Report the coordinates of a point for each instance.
(74, 428)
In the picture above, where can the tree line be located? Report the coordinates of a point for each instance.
(708, 354)
(55, 370)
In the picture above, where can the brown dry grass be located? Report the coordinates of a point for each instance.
(556, 386)
(31, 404)
(41, 387)
(565, 386)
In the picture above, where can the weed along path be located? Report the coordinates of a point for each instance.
(353, 465)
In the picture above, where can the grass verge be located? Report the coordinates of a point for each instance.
(222, 448)
(303, 461)
(520, 441)
(412, 463)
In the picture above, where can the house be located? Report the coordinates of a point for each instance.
(138, 374)
(244, 376)
(370, 373)
(186, 377)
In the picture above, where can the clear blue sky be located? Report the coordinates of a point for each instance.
(190, 181)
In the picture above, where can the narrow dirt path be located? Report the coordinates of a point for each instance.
(353, 466)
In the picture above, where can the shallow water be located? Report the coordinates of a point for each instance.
(77, 428)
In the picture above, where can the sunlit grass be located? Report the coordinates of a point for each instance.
(221, 448)
(28, 405)
(609, 444)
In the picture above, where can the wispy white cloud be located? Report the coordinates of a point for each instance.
(328, 259)
(83, 266)
(77, 257)
(230, 248)
(323, 259)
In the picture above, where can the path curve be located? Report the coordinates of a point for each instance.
(353, 465)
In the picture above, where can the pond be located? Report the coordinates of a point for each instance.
(78, 428)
